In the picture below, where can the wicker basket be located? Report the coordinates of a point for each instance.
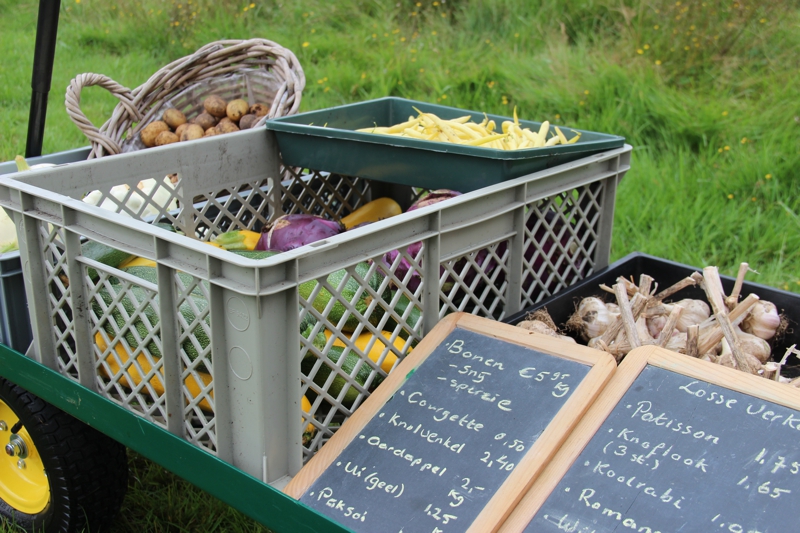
(257, 70)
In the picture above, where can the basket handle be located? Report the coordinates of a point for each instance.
(73, 104)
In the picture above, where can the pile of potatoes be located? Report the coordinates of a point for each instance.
(218, 117)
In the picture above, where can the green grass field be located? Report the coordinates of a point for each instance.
(707, 92)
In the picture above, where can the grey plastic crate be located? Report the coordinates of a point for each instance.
(148, 345)
(15, 324)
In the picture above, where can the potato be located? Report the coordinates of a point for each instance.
(174, 118)
(150, 132)
(259, 110)
(210, 132)
(225, 120)
(247, 122)
(166, 137)
(179, 130)
(236, 109)
(227, 127)
(205, 120)
(192, 132)
(215, 105)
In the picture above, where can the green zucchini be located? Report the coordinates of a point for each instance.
(348, 365)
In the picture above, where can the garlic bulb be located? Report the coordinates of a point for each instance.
(763, 320)
(537, 326)
(591, 319)
(710, 357)
(655, 324)
(755, 346)
(694, 312)
(677, 343)
(726, 358)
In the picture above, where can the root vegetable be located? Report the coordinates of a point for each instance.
(694, 312)
(591, 319)
(677, 343)
(227, 127)
(726, 358)
(537, 326)
(259, 110)
(763, 320)
(236, 109)
(293, 231)
(192, 132)
(180, 129)
(150, 132)
(166, 137)
(247, 122)
(215, 106)
(205, 120)
(755, 346)
(174, 118)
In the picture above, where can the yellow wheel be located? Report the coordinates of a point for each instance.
(57, 475)
(23, 481)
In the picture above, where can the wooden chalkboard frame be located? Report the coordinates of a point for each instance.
(628, 371)
(535, 460)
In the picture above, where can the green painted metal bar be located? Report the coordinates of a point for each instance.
(241, 491)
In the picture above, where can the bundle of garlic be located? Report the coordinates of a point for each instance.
(728, 332)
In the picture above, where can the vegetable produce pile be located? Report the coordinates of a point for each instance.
(429, 127)
(217, 117)
(325, 365)
(729, 332)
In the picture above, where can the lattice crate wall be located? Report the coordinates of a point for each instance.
(485, 253)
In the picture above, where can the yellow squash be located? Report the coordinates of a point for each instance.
(377, 348)
(372, 212)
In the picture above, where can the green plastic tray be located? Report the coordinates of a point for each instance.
(326, 140)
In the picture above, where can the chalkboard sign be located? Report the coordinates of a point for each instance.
(674, 444)
(455, 435)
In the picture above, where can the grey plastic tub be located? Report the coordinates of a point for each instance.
(229, 379)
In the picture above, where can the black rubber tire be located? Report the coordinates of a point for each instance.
(86, 470)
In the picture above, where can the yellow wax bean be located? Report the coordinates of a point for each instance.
(552, 141)
(375, 129)
(411, 132)
(461, 120)
(466, 131)
(530, 136)
(399, 128)
(574, 139)
(545, 127)
(561, 135)
(485, 140)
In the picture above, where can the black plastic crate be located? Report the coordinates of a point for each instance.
(560, 306)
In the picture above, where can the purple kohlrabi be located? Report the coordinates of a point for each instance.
(404, 266)
(433, 197)
(293, 231)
